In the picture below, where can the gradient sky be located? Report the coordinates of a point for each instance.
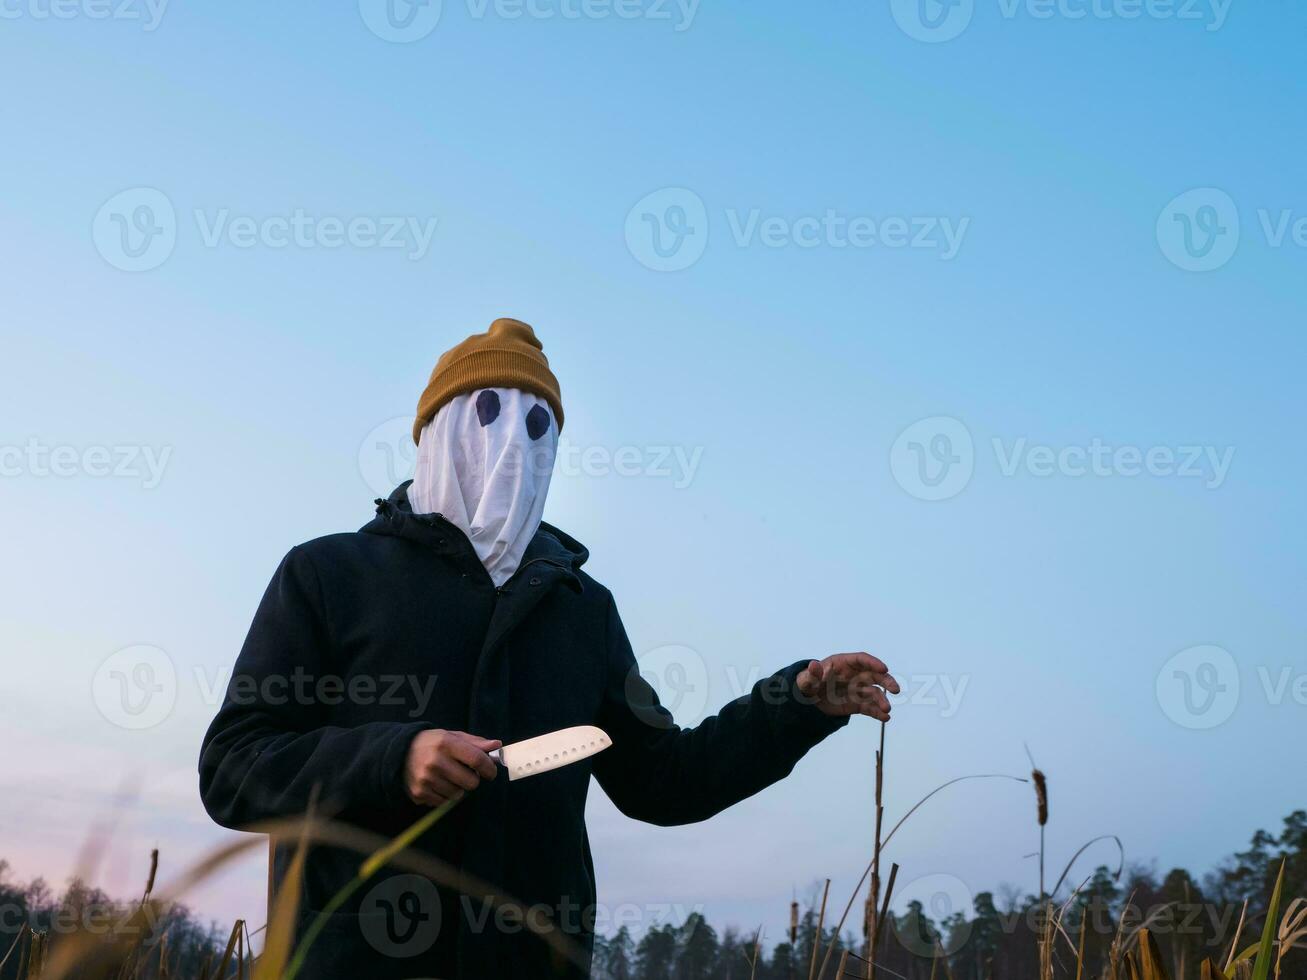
(788, 367)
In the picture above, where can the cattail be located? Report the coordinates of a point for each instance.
(154, 870)
(1041, 810)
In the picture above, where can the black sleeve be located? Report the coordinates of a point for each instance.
(663, 774)
(268, 748)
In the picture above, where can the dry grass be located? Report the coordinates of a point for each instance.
(128, 953)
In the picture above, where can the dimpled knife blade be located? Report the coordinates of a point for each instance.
(552, 751)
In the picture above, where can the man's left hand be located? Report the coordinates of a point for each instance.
(849, 684)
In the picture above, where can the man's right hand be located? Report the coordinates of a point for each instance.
(443, 765)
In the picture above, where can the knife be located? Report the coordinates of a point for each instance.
(546, 752)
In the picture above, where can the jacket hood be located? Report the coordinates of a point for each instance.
(395, 518)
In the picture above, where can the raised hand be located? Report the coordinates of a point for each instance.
(849, 684)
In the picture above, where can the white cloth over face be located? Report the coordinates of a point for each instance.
(484, 464)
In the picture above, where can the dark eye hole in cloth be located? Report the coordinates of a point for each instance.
(537, 422)
(487, 407)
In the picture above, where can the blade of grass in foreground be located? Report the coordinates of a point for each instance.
(285, 910)
(370, 867)
(17, 940)
(1266, 949)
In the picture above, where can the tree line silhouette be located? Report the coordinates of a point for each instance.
(998, 937)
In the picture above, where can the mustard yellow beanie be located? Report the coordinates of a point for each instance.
(505, 356)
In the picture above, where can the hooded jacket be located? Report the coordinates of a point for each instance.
(362, 640)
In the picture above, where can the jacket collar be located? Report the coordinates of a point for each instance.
(550, 547)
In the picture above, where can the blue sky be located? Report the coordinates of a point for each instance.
(906, 269)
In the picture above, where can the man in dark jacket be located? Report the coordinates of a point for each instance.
(383, 668)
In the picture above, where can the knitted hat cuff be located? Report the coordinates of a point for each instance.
(489, 367)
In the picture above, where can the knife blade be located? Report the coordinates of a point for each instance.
(551, 751)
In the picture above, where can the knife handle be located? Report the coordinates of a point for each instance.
(498, 756)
